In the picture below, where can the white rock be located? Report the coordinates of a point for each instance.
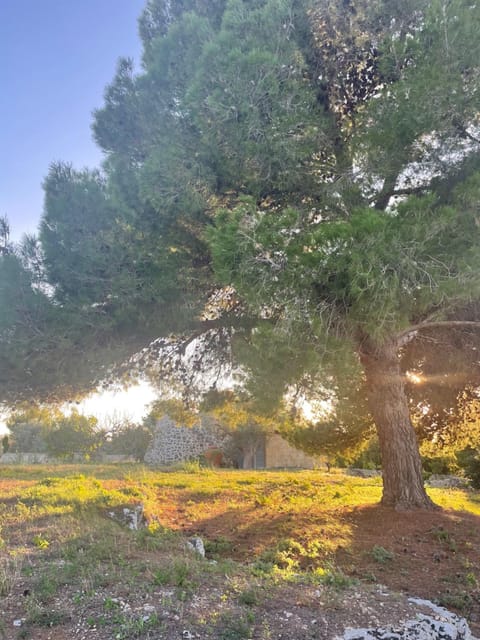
(442, 625)
(197, 545)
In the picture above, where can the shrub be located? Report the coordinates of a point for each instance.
(469, 460)
(442, 465)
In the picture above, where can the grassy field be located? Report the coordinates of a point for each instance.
(68, 566)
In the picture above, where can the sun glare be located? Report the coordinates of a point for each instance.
(129, 404)
(415, 378)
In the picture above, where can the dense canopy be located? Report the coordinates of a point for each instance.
(322, 158)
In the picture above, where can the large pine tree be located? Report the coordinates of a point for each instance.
(321, 157)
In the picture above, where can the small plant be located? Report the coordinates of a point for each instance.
(46, 587)
(40, 542)
(334, 577)
(460, 600)
(442, 535)
(234, 627)
(162, 576)
(190, 466)
(177, 574)
(218, 546)
(49, 618)
(135, 627)
(41, 616)
(471, 580)
(111, 604)
(249, 597)
(382, 555)
(262, 568)
(369, 577)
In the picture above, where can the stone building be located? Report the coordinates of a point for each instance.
(172, 444)
(280, 454)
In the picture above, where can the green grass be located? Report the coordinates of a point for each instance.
(261, 529)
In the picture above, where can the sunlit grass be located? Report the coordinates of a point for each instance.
(457, 499)
(258, 504)
(269, 526)
(65, 487)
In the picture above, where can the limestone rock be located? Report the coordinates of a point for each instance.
(363, 473)
(196, 544)
(131, 517)
(446, 482)
(441, 625)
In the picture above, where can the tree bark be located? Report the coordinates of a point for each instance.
(403, 486)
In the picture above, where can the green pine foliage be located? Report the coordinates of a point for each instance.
(323, 158)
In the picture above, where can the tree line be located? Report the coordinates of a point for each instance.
(72, 436)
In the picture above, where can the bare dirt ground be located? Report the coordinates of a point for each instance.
(283, 612)
(435, 556)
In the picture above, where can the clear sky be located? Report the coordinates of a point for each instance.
(56, 56)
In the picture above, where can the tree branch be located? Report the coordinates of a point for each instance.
(465, 133)
(409, 334)
(407, 191)
(382, 198)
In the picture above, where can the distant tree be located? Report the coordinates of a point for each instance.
(74, 434)
(247, 440)
(29, 427)
(247, 427)
(5, 444)
(29, 438)
(175, 409)
(5, 246)
(128, 439)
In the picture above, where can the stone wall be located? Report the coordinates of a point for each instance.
(25, 458)
(280, 454)
(116, 458)
(44, 458)
(172, 443)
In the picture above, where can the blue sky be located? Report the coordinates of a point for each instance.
(57, 57)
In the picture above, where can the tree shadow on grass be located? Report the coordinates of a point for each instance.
(427, 554)
(251, 531)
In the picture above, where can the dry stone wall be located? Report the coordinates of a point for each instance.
(26, 458)
(172, 443)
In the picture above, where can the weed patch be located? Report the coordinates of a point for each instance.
(10, 569)
(381, 555)
(234, 626)
(249, 597)
(332, 576)
(176, 574)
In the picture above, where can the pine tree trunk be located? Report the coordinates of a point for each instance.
(403, 486)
